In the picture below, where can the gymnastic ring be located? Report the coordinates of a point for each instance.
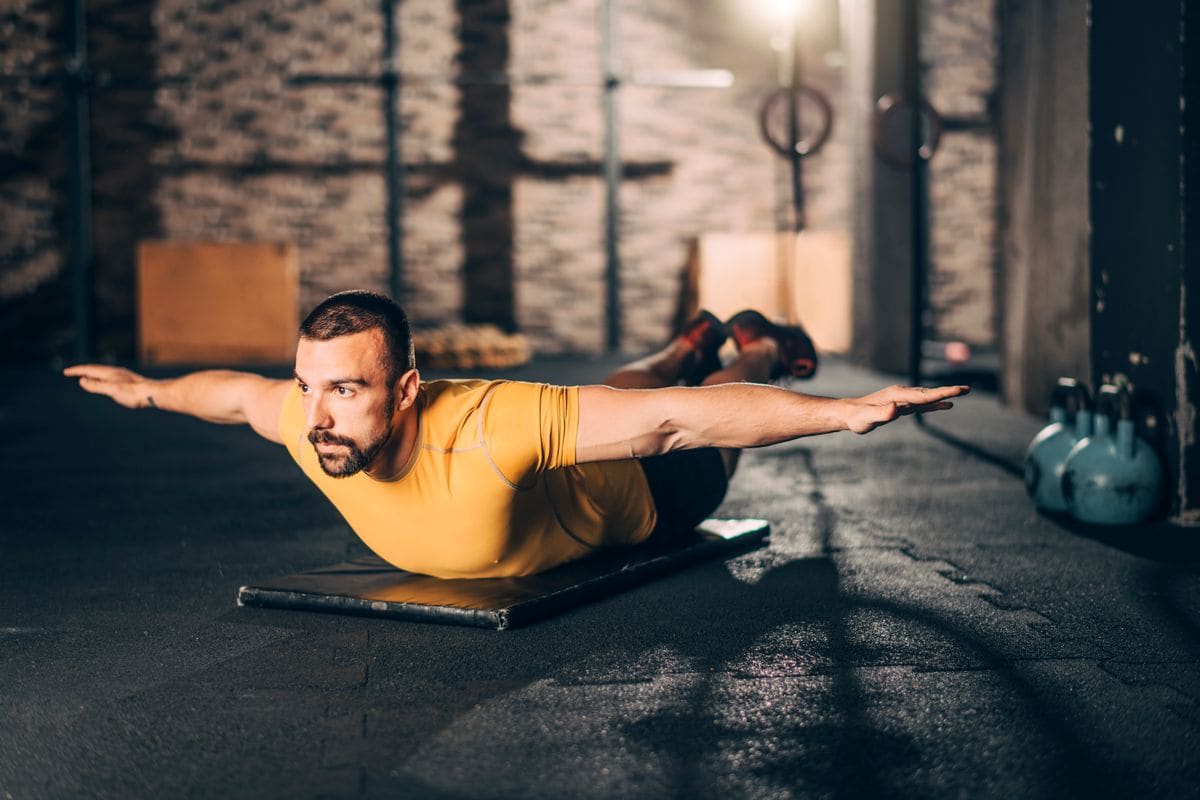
(803, 147)
(887, 106)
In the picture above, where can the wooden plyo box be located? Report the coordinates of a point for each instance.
(802, 278)
(217, 303)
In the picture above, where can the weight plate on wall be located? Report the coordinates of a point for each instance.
(772, 117)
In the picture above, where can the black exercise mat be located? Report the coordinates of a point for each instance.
(371, 587)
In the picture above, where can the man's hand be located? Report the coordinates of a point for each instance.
(122, 385)
(867, 413)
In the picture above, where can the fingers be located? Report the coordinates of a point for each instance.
(906, 410)
(915, 395)
(97, 386)
(927, 394)
(79, 371)
(902, 401)
(93, 378)
(123, 386)
(102, 373)
(952, 391)
(942, 406)
(922, 399)
(97, 372)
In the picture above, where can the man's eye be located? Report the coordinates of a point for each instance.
(304, 387)
(342, 391)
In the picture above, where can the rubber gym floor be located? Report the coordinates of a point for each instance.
(914, 629)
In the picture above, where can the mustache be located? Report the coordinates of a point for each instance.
(325, 437)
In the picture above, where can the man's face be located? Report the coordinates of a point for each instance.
(348, 400)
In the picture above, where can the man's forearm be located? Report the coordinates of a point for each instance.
(212, 395)
(748, 415)
(622, 423)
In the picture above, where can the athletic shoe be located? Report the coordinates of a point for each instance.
(797, 356)
(704, 334)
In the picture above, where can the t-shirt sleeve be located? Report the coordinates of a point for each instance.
(530, 428)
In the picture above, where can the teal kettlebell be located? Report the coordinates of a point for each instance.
(1112, 477)
(1047, 453)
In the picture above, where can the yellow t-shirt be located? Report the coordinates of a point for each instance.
(492, 489)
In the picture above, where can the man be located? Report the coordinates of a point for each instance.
(498, 478)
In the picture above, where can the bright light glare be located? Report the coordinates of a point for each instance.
(782, 12)
(684, 79)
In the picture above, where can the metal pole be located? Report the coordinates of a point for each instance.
(612, 179)
(918, 198)
(394, 175)
(796, 81)
(80, 177)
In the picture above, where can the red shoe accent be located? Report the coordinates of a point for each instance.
(704, 334)
(797, 356)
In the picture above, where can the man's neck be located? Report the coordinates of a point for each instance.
(397, 454)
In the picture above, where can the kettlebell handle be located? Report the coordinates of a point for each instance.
(1071, 395)
(1117, 398)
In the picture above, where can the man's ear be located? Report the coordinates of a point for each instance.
(407, 387)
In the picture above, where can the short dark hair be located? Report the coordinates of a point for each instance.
(359, 310)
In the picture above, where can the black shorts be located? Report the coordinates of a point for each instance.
(687, 486)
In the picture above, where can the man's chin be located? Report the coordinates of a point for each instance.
(347, 458)
(338, 467)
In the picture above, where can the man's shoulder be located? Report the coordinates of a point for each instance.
(458, 398)
(464, 389)
(451, 391)
(447, 404)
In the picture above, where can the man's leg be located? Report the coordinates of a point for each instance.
(754, 364)
(664, 368)
(689, 356)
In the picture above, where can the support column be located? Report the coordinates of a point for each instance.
(78, 86)
(1043, 197)
(887, 307)
(1145, 291)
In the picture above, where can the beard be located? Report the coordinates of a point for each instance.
(357, 457)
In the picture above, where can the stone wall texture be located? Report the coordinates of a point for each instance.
(35, 298)
(960, 44)
(217, 140)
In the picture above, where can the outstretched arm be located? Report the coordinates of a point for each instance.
(623, 423)
(215, 395)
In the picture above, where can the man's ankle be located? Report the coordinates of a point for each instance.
(764, 346)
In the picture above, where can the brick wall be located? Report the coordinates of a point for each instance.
(959, 50)
(258, 158)
(35, 298)
(240, 153)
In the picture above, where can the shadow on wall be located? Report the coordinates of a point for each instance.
(125, 132)
(488, 159)
(38, 324)
(36, 295)
(487, 156)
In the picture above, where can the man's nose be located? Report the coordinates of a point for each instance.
(318, 415)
